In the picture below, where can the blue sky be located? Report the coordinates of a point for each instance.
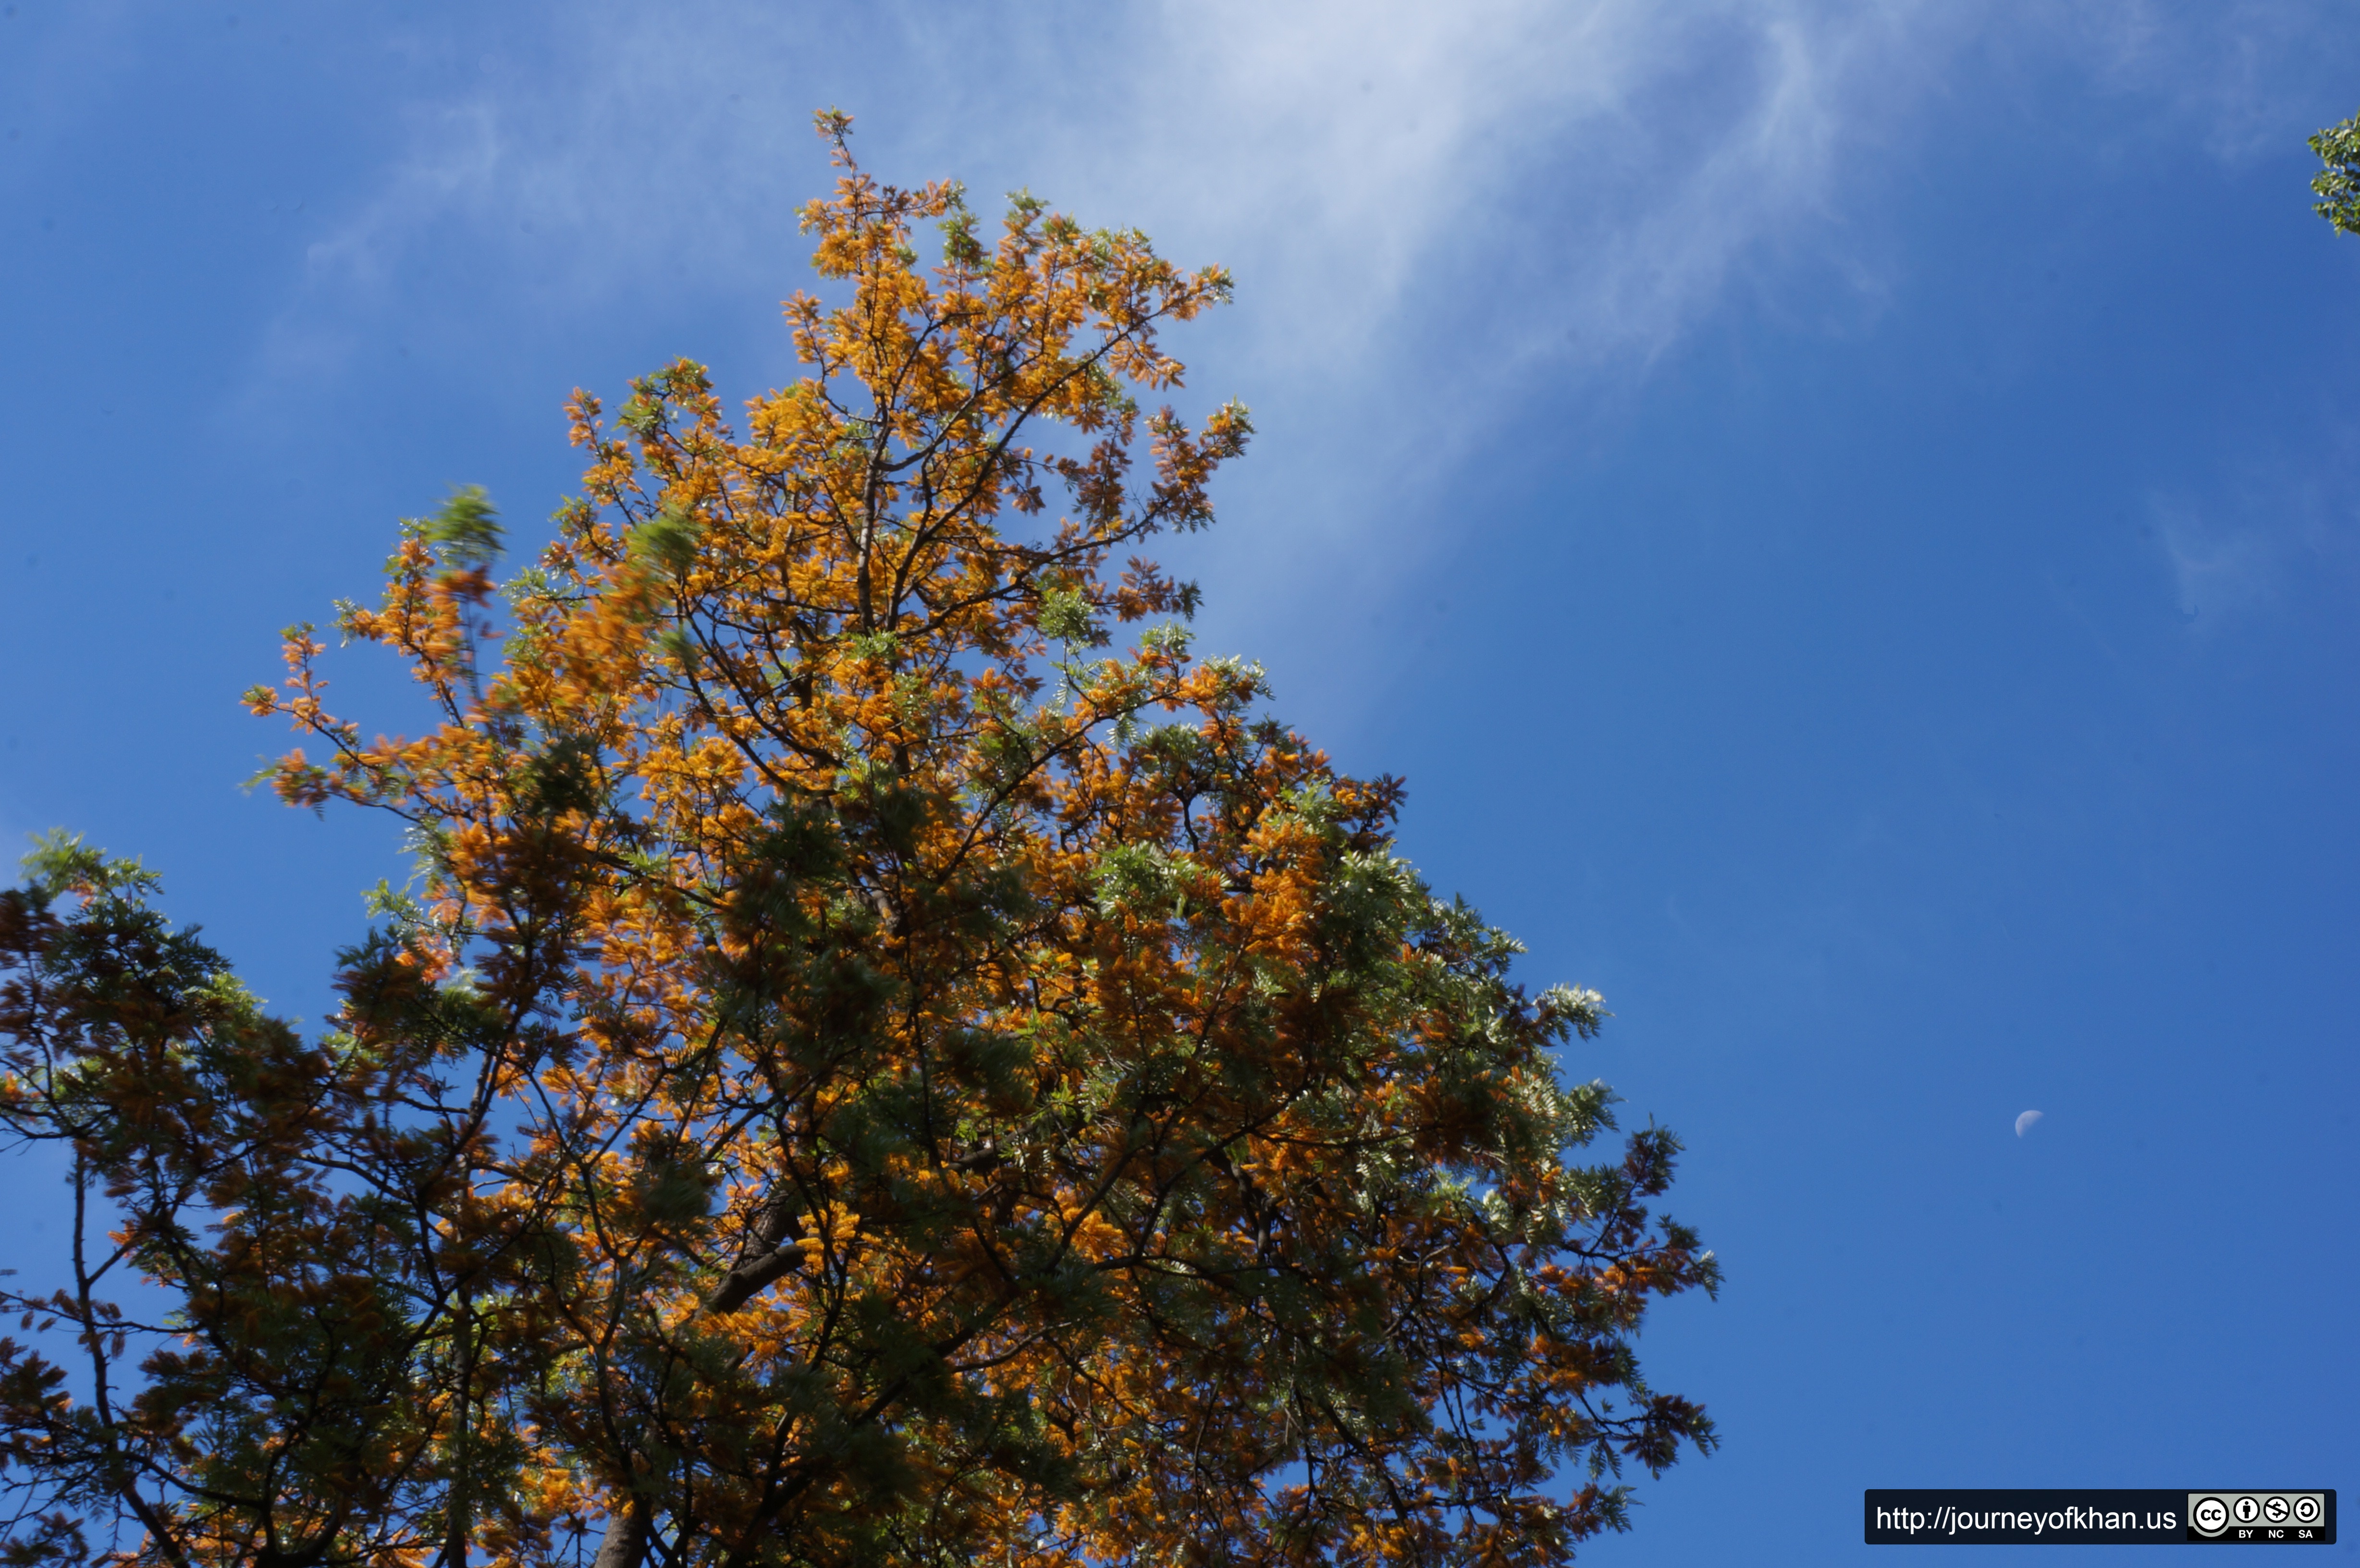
(1847, 517)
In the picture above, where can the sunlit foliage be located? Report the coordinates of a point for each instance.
(889, 1057)
(2337, 185)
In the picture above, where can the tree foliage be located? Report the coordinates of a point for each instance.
(2337, 185)
(889, 1058)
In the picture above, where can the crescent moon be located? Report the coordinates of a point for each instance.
(2024, 1123)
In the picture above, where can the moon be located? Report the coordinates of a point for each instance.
(2024, 1123)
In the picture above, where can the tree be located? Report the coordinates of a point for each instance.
(2338, 184)
(869, 1072)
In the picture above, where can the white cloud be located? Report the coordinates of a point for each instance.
(1540, 180)
(1332, 152)
(1431, 210)
(1426, 206)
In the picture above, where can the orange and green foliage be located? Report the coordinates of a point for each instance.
(890, 1060)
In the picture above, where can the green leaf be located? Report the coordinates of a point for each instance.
(2338, 185)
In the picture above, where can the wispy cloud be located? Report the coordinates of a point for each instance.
(2218, 569)
(1426, 206)
(1429, 209)
(2233, 548)
(2238, 77)
(1581, 176)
